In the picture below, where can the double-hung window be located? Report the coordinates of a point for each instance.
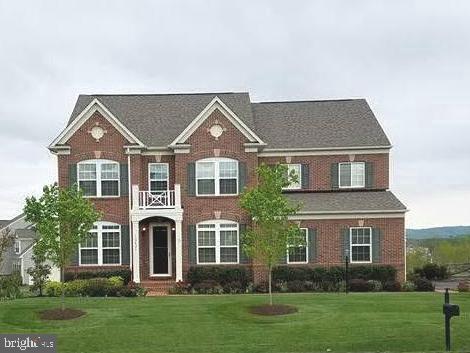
(217, 176)
(98, 178)
(352, 175)
(217, 242)
(298, 254)
(17, 246)
(158, 177)
(102, 246)
(361, 244)
(295, 169)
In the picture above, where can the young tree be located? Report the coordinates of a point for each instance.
(266, 242)
(7, 239)
(40, 272)
(63, 218)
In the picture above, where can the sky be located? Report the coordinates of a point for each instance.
(409, 59)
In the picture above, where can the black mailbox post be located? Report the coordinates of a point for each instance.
(449, 310)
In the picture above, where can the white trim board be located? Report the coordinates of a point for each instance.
(95, 105)
(302, 217)
(216, 103)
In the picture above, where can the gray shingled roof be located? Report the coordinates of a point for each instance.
(25, 233)
(318, 124)
(4, 223)
(157, 119)
(331, 202)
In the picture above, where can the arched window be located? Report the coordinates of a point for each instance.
(217, 242)
(217, 176)
(98, 177)
(103, 246)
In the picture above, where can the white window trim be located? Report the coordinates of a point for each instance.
(100, 248)
(216, 178)
(17, 241)
(98, 163)
(299, 181)
(217, 246)
(363, 185)
(306, 250)
(167, 175)
(351, 245)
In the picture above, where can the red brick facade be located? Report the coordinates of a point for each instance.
(231, 144)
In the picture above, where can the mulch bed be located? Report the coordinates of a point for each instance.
(59, 314)
(275, 309)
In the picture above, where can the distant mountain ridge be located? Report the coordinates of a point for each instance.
(437, 232)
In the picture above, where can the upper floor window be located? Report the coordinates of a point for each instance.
(217, 176)
(298, 254)
(102, 246)
(360, 244)
(295, 169)
(98, 177)
(17, 246)
(352, 175)
(217, 242)
(158, 177)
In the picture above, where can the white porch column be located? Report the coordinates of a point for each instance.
(179, 250)
(135, 252)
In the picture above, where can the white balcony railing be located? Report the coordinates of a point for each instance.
(148, 200)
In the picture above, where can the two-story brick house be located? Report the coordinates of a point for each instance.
(167, 170)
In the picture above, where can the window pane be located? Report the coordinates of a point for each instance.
(228, 186)
(86, 171)
(91, 241)
(110, 239)
(360, 253)
(206, 187)
(228, 237)
(158, 186)
(110, 188)
(89, 256)
(298, 254)
(158, 171)
(111, 256)
(228, 254)
(345, 174)
(206, 255)
(88, 187)
(110, 171)
(358, 174)
(294, 168)
(206, 238)
(205, 170)
(228, 169)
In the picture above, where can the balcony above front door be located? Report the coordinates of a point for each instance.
(147, 203)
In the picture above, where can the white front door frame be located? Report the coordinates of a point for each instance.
(151, 269)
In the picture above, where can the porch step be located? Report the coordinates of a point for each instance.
(158, 286)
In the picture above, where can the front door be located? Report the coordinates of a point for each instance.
(160, 251)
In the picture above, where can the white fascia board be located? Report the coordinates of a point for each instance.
(279, 152)
(346, 215)
(95, 105)
(216, 103)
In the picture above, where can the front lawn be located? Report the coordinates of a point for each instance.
(356, 322)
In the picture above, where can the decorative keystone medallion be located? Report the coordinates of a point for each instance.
(216, 130)
(97, 132)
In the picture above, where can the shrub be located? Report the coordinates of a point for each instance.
(10, 286)
(220, 274)
(116, 281)
(261, 287)
(392, 286)
(432, 272)
(132, 289)
(359, 285)
(53, 289)
(234, 287)
(408, 286)
(125, 274)
(296, 286)
(208, 287)
(464, 286)
(374, 285)
(423, 285)
(180, 288)
(76, 288)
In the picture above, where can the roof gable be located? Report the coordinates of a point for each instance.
(216, 104)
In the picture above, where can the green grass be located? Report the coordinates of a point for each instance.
(353, 323)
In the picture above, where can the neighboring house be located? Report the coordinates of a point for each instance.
(19, 256)
(167, 171)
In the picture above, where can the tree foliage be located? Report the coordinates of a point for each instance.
(63, 218)
(267, 240)
(39, 273)
(7, 239)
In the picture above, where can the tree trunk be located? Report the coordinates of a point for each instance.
(62, 294)
(270, 285)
